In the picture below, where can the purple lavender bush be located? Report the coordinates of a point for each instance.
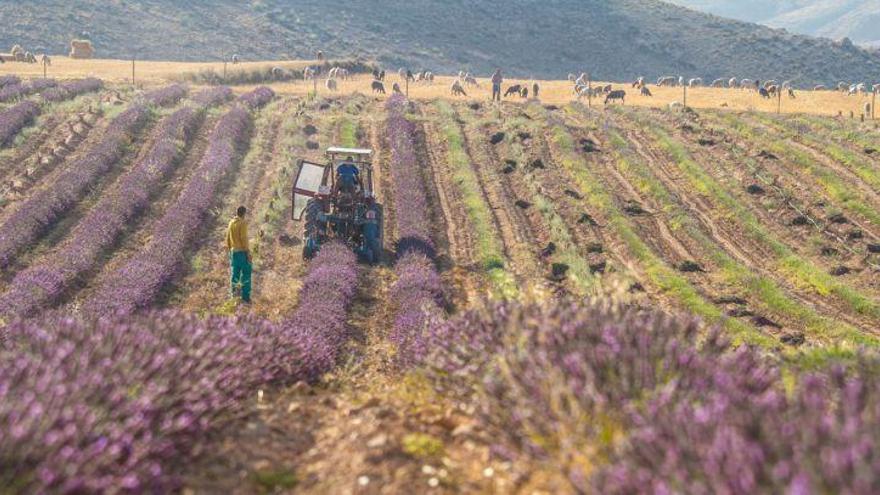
(738, 431)
(258, 97)
(136, 284)
(72, 89)
(320, 323)
(418, 291)
(167, 96)
(113, 405)
(38, 213)
(14, 119)
(212, 96)
(9, 80)
(554, 380)
(16, 91)
(44, 283)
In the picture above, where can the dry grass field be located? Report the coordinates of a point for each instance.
(552, 92)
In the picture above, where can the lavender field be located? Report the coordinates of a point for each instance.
(569, 300)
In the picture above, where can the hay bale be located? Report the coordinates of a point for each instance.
(81, 49)
(17, 53)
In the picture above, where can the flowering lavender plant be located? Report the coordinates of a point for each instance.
(167, 96)
(9, 80)
(13, 119)
(112, 405)
(418, 292)
(39, 212)
(44, 283)
(258, 97)
(72, 89)
(11, 92)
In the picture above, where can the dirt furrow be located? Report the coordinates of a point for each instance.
(694, 205)
(461, 245)
(728, 232)
(512, 226)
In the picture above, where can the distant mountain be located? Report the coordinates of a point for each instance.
(858, 20)
(612, 39)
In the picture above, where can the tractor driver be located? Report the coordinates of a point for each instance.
(348, 175)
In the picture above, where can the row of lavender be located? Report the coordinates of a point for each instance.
(137, 283)
(18, 90)
(13, 119)
(627, 401)
(43, 284)
(417, 292)
(41, 211)
(115, 403)
(38, 213)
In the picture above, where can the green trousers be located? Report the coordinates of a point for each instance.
(241, 274)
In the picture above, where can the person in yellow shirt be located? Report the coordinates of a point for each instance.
(239, 254)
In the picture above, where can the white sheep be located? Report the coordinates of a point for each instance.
(457, 88)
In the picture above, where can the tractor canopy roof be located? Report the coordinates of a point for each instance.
(359, 154)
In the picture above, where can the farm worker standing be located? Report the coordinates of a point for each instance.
(497, 79)
(239, 254)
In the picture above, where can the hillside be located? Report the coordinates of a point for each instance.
(615, 40)
(835, 19)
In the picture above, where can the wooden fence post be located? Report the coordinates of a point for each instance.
(407, 87)
(589, 92)
(132, 71)
(778, 101)
(874, 103)
(685, 97)
(224, 70)
(44, 68)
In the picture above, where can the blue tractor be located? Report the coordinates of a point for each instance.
(335, 201)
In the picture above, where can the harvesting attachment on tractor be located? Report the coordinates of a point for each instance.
(336, 201)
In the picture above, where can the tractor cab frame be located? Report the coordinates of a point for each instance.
(339, 209)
